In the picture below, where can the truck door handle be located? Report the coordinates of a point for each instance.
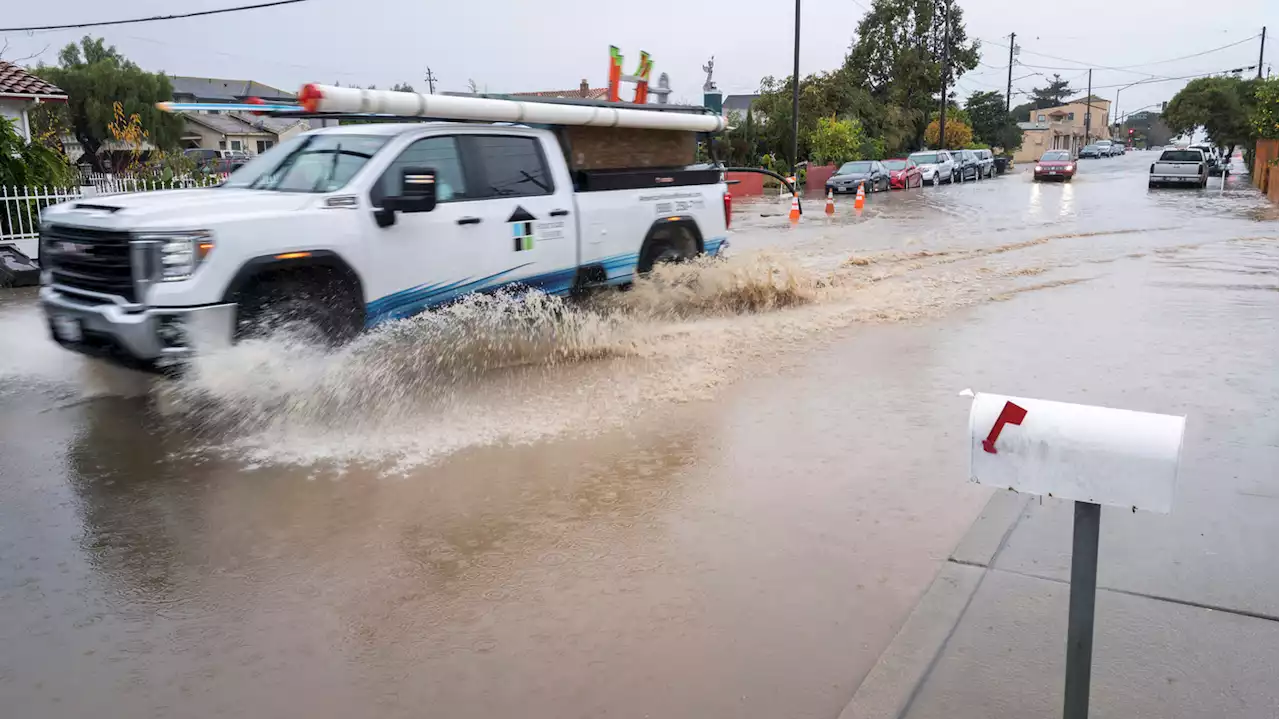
(468, 220)
(559, 213)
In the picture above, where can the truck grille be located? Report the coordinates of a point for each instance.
(89, 259)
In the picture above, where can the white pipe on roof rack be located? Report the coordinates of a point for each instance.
(327, 98)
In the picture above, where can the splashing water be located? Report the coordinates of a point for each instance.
(518, 367)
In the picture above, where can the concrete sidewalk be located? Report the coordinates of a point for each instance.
(989, 638)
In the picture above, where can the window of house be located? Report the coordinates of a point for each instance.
(236, 145)
(1039, 118)
(222, 144)
(512, 166)
(437, 153)
(264, 145)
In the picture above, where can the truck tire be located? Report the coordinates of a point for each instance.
(315, 302)
(669, 244)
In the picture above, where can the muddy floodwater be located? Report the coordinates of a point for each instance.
(716, 495)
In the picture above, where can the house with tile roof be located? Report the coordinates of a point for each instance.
(238, 131)
(583, 91)
(19, 92)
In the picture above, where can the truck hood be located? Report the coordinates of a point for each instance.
(174, 209)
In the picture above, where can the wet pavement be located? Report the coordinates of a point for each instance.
(718, 495)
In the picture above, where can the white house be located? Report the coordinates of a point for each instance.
(19, 92)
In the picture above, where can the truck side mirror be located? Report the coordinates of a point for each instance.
(418, 193)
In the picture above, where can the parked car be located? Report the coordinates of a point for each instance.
(869, 173)
(968, 166)
(988, 161)
(936, 166)
(1211, 156)
(1104, 148)
(1091, 150)
(1179, 167)
(1055, 165)
(904, 173)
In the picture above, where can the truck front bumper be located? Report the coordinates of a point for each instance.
(141, 338)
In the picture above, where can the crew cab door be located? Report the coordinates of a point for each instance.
(424, 258)
(529, 223)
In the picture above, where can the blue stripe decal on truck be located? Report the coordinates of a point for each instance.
(407, 302)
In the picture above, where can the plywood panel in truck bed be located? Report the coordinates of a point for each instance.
(616, 148)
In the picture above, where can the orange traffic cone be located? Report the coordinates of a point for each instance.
(860, 200)
(831, 203)
(795, 209)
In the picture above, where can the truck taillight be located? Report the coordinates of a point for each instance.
(728, 208)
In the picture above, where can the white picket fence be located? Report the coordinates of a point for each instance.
(20, 207)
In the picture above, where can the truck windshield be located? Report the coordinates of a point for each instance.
(308, 163)
(1181, 156)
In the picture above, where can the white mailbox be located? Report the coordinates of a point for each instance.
(1074, 451)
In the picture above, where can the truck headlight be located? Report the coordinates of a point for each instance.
(181, 252)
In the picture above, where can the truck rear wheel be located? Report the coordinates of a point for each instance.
(318, 304)
(674, 243)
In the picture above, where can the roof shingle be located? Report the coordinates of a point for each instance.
(16, 81)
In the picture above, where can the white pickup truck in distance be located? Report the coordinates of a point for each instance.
(1186, 167)
(346, 227)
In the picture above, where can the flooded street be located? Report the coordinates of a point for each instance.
(717, 495)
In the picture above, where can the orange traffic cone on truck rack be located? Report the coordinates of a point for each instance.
(831, 203)
(861, 199)
(795, 209)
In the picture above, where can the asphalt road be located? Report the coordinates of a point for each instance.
(719, 495)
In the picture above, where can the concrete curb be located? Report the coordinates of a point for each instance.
(889, 687)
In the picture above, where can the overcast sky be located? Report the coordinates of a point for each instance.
(519, 45)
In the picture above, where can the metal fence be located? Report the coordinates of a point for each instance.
(20, 207)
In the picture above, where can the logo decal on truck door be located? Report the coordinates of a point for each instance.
(522, 229)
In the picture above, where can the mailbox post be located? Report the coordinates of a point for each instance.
(1092, 455)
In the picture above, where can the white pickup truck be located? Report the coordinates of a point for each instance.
(1179, 167)
(346, 227)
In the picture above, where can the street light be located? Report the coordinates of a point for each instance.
(1116, 108)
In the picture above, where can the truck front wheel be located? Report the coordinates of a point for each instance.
(316, 303)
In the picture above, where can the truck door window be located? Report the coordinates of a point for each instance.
(437, 153)
(513, 166)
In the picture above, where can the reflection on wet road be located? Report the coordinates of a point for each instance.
(717, 496)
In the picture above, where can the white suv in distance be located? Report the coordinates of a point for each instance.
(936, 166)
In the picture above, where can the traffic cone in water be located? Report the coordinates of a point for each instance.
(795, 209)
(860, 200)
(831, 203)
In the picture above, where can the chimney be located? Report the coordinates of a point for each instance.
(584, 90)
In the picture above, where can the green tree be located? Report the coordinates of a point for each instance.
(1053, 94)
(834, 141)
(95, 77)
(1263, 117)
(1220, 105)
(897, 57)
(991, 124)
(402, 87)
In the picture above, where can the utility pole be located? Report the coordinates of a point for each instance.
(1008, 93)
(946, 57)
(1262, 46)
(795, 99)
(1088, 104)
(431, 81)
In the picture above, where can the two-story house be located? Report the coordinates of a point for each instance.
(1063, 127)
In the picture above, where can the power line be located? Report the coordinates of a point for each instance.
(154, 18)
(1123, 68)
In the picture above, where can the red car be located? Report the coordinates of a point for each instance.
(903, 173)
(1055, 165)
